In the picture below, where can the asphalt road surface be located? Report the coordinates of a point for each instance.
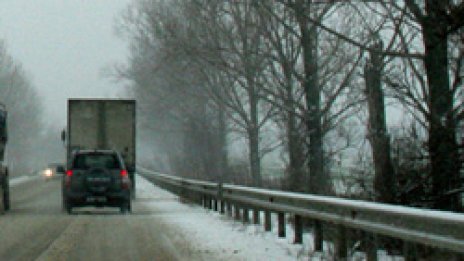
(36, 228)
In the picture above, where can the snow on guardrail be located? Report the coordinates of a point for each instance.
(440, 229)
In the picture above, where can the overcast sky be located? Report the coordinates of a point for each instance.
(64, 45)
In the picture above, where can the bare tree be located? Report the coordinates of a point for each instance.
(430, 24)
(228, 46)
(433, 97)
(384, 181)
(439, 19)
(282, 87)
(169, 86)
(24, 115)
(321, 69)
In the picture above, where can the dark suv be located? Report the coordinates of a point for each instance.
(96, 178)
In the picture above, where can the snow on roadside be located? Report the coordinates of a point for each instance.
(22, 179)
(219, 234)
(229, 239)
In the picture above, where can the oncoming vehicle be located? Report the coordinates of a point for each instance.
(53, 170)
(96, 178)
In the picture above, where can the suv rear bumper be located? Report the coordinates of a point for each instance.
(88, 199)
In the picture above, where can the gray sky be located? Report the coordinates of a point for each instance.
(64, 45)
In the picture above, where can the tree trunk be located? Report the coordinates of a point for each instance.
(295, 151)
(251, 71)
(222, 144)
(253, 137)
(255, 162)
(297, 177)
(442, 143)
(319, 183)
(197, 138)
(384, 180)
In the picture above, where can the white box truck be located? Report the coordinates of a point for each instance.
(103, 124)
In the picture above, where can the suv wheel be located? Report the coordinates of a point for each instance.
(125, 207)
(69, 209)
(67, 206)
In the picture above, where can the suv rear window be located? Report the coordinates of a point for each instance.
(96, 160)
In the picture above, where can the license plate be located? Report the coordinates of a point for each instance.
(96, 199)
(98, 179)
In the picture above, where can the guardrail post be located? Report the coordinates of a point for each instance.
(318, 246)
(229, 208)
(267, 220)
(218, 197)
(409, 251)
(222, 207)
(203, 199)
(198, 198)
(237, 212)
(215, 202)
(255, 216)
(183, 192)
(281, 220)
(210, 202)
(459, 257)
(298, 230)
(370, 245)
(246, 215)
(341, 252)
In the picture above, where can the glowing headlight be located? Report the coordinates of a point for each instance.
(48, 173)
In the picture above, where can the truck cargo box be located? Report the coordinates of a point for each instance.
(103, 124)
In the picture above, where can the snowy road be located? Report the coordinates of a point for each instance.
(160, 228)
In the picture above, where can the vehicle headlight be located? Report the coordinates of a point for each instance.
(48, 173)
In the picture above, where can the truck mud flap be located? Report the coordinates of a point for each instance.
(2, 201)
(6, 195)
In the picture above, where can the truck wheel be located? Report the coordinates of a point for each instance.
(69, 209)
(67, 206)
(5, 191)
(6, 198)
(2, 201)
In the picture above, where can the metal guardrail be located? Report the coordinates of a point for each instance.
(437, 229)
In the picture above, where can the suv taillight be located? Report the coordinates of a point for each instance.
(67, 178)
(125, 181)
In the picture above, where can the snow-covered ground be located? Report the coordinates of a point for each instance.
(219, 234)
(226, 238)
(22, 179)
